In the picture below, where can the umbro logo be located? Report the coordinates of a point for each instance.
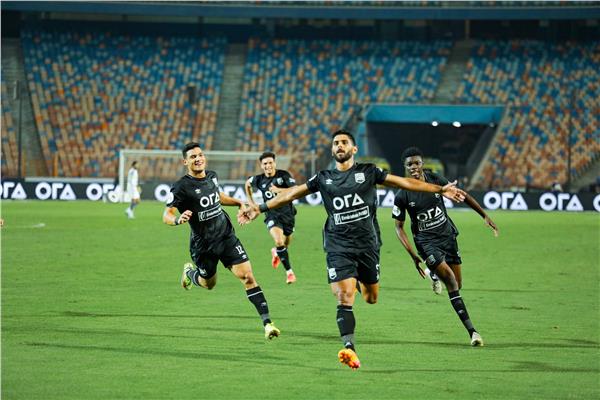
(411, 204)
(328, 181)
(198, 191)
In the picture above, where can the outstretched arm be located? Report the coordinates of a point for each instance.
(471, 202)
(450, 190)
(285, 196)
(230, 201)
(399, 225)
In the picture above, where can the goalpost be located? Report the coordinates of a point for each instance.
(166, 165)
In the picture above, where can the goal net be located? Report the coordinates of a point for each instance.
(166, 166)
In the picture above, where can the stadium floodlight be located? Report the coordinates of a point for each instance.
(434, 123)
(456, 124)
(166, 165)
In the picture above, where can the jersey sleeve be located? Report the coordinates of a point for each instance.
(212, 175)
(399, 209)
(252, 182)
(313, 184)
(438, 179)
(288, 179)
(380, 174)
(174, 198)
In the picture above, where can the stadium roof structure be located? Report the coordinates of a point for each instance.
(321, 10)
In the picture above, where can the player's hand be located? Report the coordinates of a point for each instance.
(417, 260)
(453, 193)
(184, 217)
(491, 224)
(247, 214)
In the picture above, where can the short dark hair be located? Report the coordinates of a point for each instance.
(412, 152)
(266, 154)
(343, 132)
(133, 164)
(188, 147)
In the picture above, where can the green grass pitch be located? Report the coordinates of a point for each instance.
(92, 309)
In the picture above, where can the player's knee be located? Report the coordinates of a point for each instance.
(248, 279)
(344, 297)
(280, 242)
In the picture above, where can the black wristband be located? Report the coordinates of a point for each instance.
(176, 221)
(263, 207)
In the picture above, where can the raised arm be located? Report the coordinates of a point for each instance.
(403, 237)
(471, 202)
(450, 190)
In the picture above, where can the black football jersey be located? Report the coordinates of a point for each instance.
(209, 222)
(428, 215)
(350, 199)
(282, 179)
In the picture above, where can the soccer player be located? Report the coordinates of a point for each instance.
(133, 189)
(280, 222)
(198, 198)
(351, 235)
(435, 234)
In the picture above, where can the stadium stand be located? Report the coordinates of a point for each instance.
(552, 94)
(10, 157)
(296, 92)
(94, 93)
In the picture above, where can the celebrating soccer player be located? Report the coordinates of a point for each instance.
(351, 235)
(435, 234)
(198, 197)
(280, 222)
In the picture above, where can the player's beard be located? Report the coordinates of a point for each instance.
(342, 157)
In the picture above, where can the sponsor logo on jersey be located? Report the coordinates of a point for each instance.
(351, 216)
(359, 177)
(431, 219)
(210, 213)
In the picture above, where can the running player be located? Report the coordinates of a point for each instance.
(435, 234)
(280, 222)
(198, 198)
(351, 236)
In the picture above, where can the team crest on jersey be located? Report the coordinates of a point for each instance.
(359, 177)
(437, 195)
(279, 181)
